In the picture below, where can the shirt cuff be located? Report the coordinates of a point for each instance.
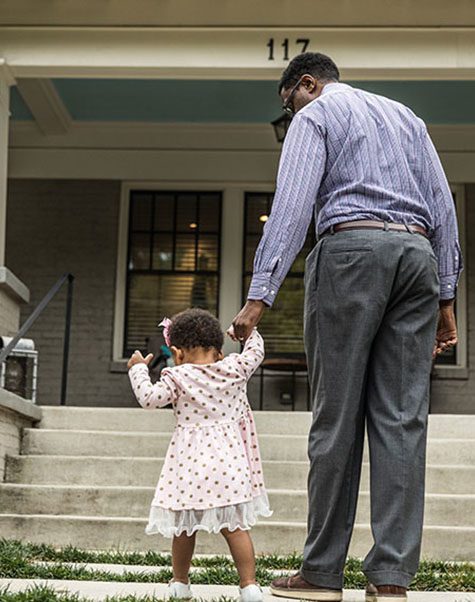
(448, 286)
(263, 288)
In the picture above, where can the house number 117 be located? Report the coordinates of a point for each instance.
(303, 42)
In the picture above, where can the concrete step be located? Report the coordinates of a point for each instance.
(443, 543)
(136, 419)
(151, 444)
(441, 426)
(134, 502)
(144, 472)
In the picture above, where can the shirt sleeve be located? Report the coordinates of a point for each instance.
(301, 167)
(150, 395)
(252, 355)
(444, 238)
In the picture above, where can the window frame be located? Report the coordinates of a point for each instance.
(120, 305)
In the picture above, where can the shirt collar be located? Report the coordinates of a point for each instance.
(334, 87)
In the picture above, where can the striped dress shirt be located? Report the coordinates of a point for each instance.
(351, 155)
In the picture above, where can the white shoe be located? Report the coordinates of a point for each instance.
(176, 589)
(251, 593)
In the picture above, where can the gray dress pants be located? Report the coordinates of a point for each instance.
(370, 317)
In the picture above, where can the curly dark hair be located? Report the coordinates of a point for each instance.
(319, 65)
(195, 327)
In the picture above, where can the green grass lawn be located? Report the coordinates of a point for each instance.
(17, 560)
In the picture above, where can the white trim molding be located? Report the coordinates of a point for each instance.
(6, 74)
(45, 104)
(236, 52)
(221, 152)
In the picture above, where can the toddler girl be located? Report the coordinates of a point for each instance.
(212, 475)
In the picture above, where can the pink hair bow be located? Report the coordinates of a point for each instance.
(166, 323)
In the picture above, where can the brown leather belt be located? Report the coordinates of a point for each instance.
(363, 224)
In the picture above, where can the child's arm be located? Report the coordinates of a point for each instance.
(252, 355)
(151, 395)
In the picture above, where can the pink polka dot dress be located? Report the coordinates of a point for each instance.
(212, 475)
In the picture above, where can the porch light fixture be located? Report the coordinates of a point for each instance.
(281, 125)
(18, 373)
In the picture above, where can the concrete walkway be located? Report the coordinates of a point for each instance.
(99, 590)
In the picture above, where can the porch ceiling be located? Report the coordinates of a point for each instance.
(201, 101)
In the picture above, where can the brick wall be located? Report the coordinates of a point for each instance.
(62, 226)
(10, 436)
(15, 415)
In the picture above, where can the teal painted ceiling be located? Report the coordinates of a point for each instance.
(234, 101)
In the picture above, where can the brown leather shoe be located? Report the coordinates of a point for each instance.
(385, 593)
(297, 587)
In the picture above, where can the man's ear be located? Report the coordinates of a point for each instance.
(310, 83)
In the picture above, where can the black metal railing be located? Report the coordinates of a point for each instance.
(67, 328)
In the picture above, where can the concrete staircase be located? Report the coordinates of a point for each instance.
(86, 477)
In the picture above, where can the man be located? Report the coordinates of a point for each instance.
(381, 277)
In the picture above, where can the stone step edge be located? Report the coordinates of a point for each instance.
(81, 458)
(267, 524)
(99, 590)
(168, 434)
(290, 492)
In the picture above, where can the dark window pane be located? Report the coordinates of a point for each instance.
(162, 251)
(186, 212)
(139, 252)
(252, 240)
(299, 263)
(207, 252)
(209, 216)
(185, 252)
(204, 292)
(153, 296)
(164, 209)
(141, 211)
(258, 207)
(282, 327)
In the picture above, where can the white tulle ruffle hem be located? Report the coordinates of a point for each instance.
(243, 516)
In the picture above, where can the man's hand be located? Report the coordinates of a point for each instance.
(138, 358)
(446, 336)
(247, 318)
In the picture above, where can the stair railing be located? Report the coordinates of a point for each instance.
(69, 278)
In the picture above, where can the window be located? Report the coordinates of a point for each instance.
(283, 328)
(173, 258)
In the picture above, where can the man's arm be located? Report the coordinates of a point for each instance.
(444, 238)
(301, 168)
(446, 247)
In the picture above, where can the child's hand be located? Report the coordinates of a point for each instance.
(230, 333)
(138, 358)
